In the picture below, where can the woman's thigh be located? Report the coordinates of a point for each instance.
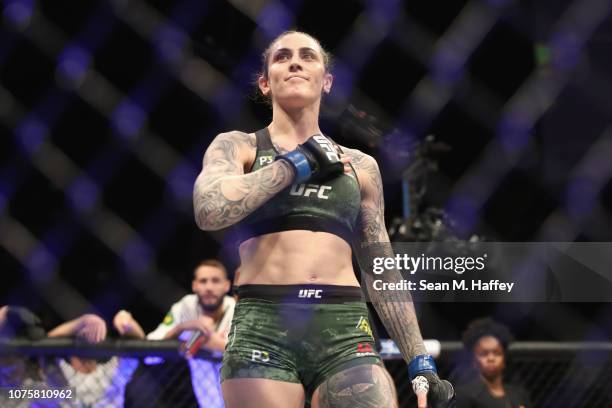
(357, 387)
(261, 392)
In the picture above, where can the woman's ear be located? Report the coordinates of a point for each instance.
(328, 79)
(264, 85)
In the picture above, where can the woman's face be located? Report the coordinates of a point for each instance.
(489, 357)
(296, 72)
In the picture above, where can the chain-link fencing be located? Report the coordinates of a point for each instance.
(554, 374)
(154, 374)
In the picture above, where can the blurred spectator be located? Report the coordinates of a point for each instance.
(210, 311)
(96, 383)
(488, 341)
(25, 373)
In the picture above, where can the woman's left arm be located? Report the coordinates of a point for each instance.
(395, 308)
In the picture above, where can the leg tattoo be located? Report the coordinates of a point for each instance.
(363, 386)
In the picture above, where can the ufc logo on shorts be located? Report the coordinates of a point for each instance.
(327, 146)
(258, 355)
(306, 190)
(265, 160)
(310, 293)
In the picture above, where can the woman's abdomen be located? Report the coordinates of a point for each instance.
(294, 257)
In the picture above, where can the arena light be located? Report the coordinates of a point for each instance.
(41, 265)
(18, 13)
(565, 49)
(169, 42)
(447, 65)
(514, 132)
(580, 196)
(72, 66)
(181, 179)
(137, 256)
(274, 18)
(464, 211)
(83, 194)
(128, 120)
(30, 134)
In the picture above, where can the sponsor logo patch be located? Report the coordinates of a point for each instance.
(263, 160)
(259, 355)
(168, 319)
(364, 326)
(365, 349)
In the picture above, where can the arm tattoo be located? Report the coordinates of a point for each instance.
(395, 308)
(223, 194)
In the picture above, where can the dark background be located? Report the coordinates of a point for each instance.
(106, 109)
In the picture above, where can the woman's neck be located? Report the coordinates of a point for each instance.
(294, 126)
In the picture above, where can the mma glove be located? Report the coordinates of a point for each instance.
(315, 159)
(441, 392)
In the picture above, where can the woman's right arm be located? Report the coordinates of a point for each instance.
(223, 195)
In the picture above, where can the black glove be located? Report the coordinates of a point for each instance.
(315, 159)
(441, 392)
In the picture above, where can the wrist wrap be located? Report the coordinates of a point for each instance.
(421, 363)
(299, 163)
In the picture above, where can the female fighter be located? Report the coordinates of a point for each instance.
(296, 200)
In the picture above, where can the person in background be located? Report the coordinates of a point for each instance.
(488, 342)
(20, 372)
(96, 383)
(209, 311)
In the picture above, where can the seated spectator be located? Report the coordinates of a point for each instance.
(208, 310)
(96, 383)
(488, 342)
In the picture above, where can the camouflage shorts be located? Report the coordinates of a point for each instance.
(297, 342)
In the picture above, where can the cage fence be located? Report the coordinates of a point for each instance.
(154, 374)
(555, 374)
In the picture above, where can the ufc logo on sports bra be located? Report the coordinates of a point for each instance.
(327, 146)
(310, 293)
(306, 190)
